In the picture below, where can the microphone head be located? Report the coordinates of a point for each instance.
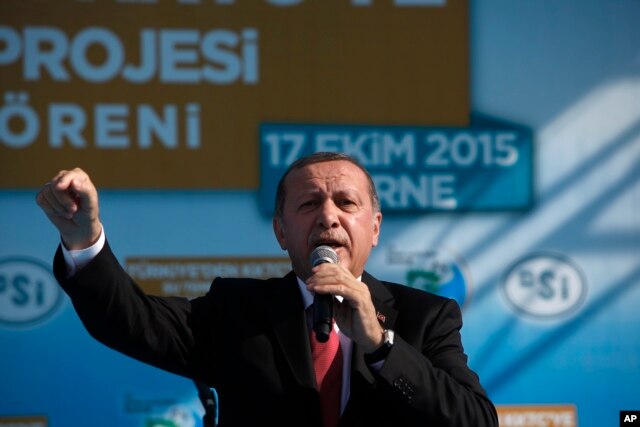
(323, 254)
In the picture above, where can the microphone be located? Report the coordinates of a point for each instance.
(209, 403)
(323, 303)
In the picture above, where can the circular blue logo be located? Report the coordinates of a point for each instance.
(443, 274)
(28, 291)
(439, 271)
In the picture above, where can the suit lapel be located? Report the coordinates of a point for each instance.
(288, 318)
(382, 300)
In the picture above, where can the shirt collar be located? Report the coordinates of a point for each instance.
(307, 297)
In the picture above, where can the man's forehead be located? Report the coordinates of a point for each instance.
(334, 169)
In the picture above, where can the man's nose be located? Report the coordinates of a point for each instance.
(328, 215)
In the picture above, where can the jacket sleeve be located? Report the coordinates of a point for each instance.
(426, 372)
(118, 313)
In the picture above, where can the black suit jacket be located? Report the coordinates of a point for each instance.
(248, 339)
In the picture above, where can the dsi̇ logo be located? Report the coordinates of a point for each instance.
(28, 291)
(544, 285)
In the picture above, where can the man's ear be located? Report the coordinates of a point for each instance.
(278, 230)
(377, 220)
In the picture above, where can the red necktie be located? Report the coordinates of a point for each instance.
(327, 361)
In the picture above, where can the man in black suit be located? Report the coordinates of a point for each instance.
(401, 358)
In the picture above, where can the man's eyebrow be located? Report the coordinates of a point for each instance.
(306, 194)
(350, 191)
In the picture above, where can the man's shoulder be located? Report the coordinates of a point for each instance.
(405, 293)
(248, 281)
(245, 281)
(248, 285)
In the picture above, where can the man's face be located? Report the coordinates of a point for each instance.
(328, 203)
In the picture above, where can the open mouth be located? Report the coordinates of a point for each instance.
(333, 240)
(332, 243)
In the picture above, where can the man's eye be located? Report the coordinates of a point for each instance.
(308, 203)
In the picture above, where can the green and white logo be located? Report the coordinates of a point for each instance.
(438, 271)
